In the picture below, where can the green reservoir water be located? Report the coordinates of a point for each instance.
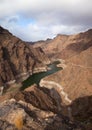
(35, 78)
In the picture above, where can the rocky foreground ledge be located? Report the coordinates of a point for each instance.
(35, 108)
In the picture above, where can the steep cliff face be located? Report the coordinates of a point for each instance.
(18, 59)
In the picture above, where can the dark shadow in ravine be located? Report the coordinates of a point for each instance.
(82, 109)
(81, 115)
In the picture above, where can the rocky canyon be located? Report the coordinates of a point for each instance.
(62, 99)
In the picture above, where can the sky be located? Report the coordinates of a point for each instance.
(33, 20)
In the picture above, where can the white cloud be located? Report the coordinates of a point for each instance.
(51, 17)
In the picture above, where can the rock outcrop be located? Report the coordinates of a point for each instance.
(43, 98)
(37, 109)
(18, 59)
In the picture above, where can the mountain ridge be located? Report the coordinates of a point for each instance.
(63, 46)
(18, 58)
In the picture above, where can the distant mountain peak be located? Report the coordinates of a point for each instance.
(1, 29)
(90, 30)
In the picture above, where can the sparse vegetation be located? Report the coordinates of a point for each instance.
(19, 122)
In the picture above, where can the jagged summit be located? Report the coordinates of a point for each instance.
(89, 30)
(3, 31)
